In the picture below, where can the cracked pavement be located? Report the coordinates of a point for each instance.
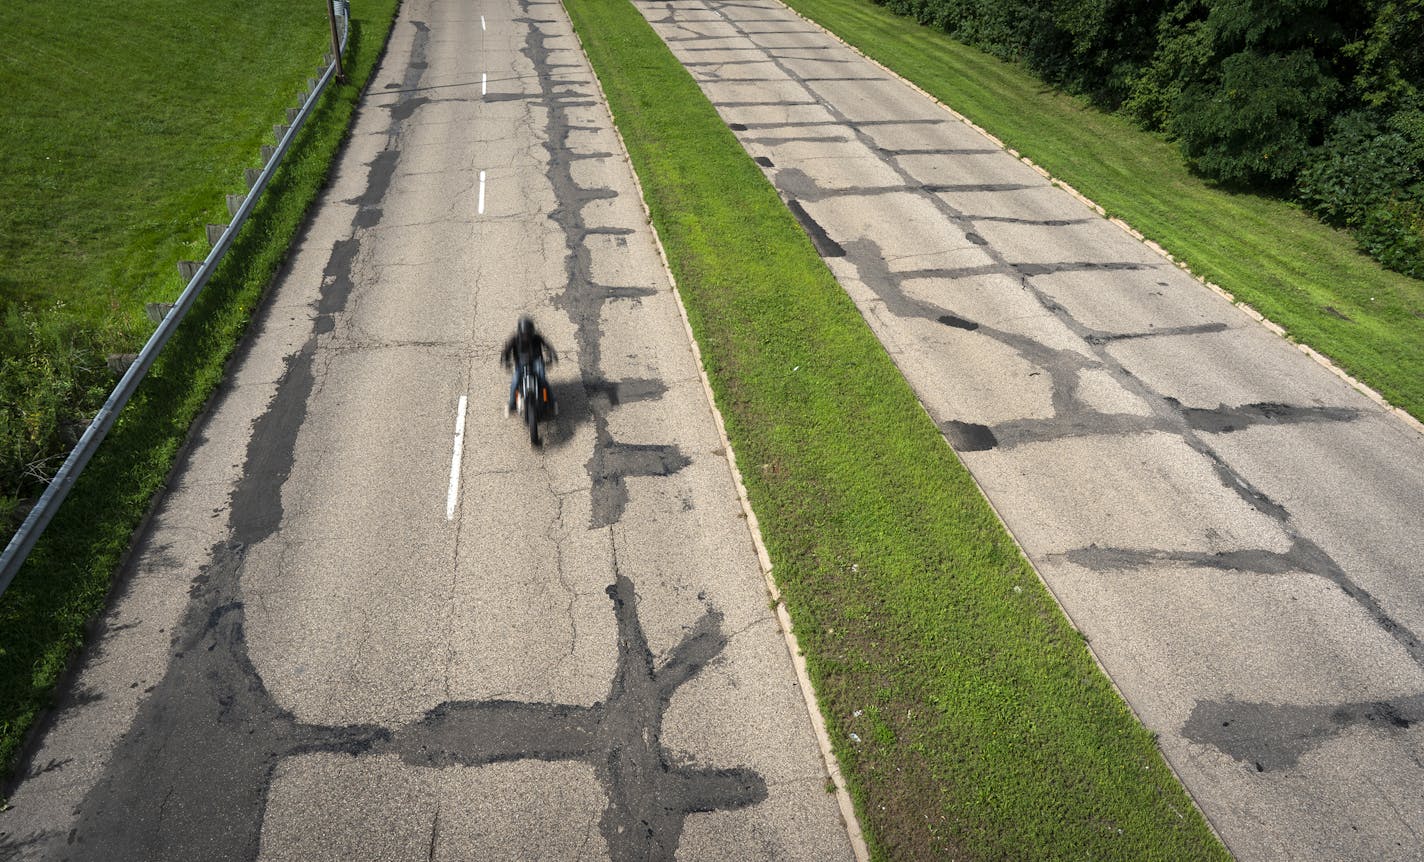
(1236, 530)
(308, 660)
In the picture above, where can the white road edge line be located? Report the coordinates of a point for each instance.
(481, 205)
(454, 494)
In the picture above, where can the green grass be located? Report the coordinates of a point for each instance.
(125, 123)
(67, 577)
(1305, 276)
(986, 731)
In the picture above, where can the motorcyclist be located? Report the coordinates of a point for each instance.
(525, 346)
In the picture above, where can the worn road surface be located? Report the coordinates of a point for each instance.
(369, 621)
(1239, 532)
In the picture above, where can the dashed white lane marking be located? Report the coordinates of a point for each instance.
(482, 22)
(454, 493)
(484, 80)
(481, 206)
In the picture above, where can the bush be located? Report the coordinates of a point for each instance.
(1393, 234)
(1183, 43)
(1254, 125)
(1369, 177)
(1360, 166)
(1389, 53)
(1101, 46)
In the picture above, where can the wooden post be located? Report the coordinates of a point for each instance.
(335, 40)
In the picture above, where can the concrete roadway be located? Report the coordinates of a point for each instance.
(1238, 531)
(352, 633)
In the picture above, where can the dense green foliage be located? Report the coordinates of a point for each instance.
(1320, 98)
(967, 713)
(75, 273)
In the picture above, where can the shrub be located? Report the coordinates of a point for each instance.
(1254, 125)
(1368, 177)
(1393, 234)
(1183, 44)
(1101, 46)
(1360, 166)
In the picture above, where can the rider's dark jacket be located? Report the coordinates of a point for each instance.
(521, 349)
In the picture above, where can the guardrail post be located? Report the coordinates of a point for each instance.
(234, 203)
(336, 39)
(268, 151)
(188, 268)
(215, 232)
(156, 311)
(251, 175)
(120, 362)
(292, 114)
(280, 131)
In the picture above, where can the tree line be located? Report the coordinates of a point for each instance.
(1319, 100)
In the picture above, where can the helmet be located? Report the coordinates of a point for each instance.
(526, 326)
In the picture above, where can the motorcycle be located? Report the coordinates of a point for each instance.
(534, 400)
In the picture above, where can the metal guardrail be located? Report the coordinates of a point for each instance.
(20, 545)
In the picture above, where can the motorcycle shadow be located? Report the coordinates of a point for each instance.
(581, 401)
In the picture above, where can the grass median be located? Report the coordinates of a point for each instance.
(966, 711)
(67, 578)
(1304, 275)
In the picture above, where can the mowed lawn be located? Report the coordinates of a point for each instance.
(967, 713)
(125, 125)
(1271, 254)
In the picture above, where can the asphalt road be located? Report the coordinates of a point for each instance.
(1238, 531)
(369, 621)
